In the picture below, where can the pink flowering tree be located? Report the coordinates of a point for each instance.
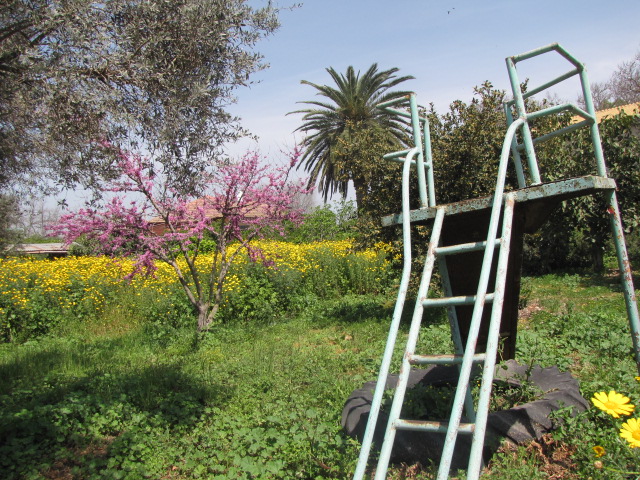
(243, 200)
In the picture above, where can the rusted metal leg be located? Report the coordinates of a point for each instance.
(625, 274)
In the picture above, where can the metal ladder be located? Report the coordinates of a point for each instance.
(502, 211)
(465, 356)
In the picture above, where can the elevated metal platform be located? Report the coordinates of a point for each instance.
(534, 201)
(478, 247)
(466, 223)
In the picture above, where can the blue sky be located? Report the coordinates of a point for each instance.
(449, 46)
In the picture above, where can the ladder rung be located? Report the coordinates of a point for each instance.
(395, 101)
(464, 247)
(455, 301)
(401, 153)
(443, 359)
(431, 426)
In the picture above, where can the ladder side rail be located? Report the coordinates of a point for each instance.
(477, 444)
(532, 163)
(431, 188)
(476, 316)
(595, 133)
(626, 277)
(417, 142)
(424, 160)
(617, 229)
(517, 159)
(395, 322)
(405, 369)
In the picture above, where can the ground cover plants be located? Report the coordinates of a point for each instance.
(36, 294)
(121, 385)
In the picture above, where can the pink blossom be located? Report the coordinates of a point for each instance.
(244, 200)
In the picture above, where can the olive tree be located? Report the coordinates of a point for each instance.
(145, 76)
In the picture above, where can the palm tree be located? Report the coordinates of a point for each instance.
(339, 146)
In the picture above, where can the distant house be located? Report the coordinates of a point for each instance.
(158, 225)
(629, 109)
(49, 250)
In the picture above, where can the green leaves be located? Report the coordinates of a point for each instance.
(338, 146)
(154, 76)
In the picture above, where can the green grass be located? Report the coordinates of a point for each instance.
(111, 398)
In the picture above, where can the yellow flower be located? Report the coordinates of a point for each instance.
(613, 403)
(630, 431)
(638, 378)
(598, 451)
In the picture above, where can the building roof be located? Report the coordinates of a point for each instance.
(211, 212)
(629, 109)
(42, 248)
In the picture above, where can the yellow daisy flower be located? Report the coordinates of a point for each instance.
(630, 431)
(599, 451)
(613, 403)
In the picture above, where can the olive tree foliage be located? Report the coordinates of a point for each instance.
(466, 144)
(9, 216)
(154, 76)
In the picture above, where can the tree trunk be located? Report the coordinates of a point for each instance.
(597, 258)
(206, 314)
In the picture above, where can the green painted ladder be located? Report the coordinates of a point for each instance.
(502, 207)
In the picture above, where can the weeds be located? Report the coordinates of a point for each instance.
(131, 395)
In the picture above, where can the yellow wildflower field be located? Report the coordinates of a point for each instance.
(86, 284)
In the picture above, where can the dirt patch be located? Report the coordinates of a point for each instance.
(62, 469)
(527, 312)
(553, 457)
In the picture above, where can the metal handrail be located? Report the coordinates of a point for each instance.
(395, 321)
(421, 141)
(589, 116)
